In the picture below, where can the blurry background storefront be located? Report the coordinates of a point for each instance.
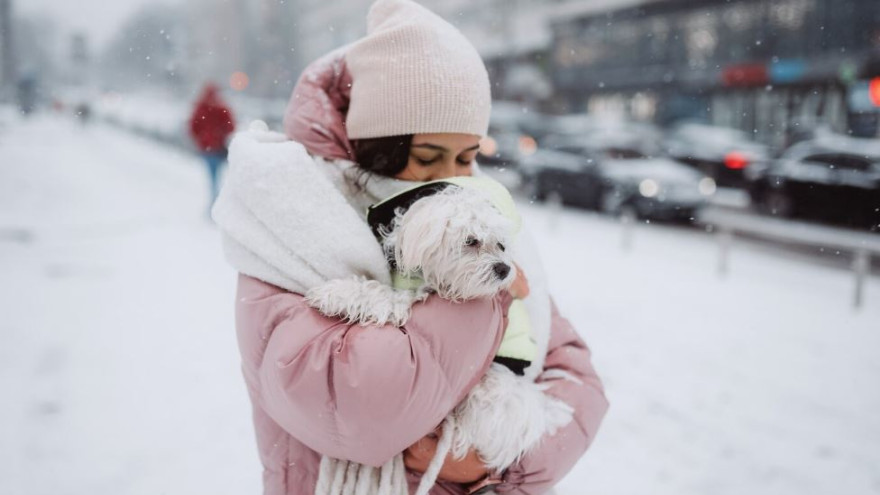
(774, 68)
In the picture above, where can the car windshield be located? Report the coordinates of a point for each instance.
(843, 161)
(706, 133)
(623, 154)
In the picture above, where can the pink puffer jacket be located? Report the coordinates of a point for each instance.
(319, 386)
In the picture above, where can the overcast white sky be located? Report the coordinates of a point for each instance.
(99, 19)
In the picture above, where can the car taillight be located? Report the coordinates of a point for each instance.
(736, 160)
(874, 91)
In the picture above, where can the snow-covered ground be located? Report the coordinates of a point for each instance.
(165, 115)
(119, 370)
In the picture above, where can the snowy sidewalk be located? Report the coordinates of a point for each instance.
(763, 383)
(119, 370)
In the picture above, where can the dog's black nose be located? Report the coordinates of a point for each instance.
(501, 269)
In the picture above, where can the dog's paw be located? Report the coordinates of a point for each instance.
(335, 297)
(399, 311)
(389, 306)
(362, 301)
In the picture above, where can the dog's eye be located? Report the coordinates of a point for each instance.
(501, 246)
(471, 242)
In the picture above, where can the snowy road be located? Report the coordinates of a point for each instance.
(119, 371)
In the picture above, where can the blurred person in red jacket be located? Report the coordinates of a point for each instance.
(210, 125)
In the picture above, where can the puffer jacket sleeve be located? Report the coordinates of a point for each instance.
(581, 388)
(362, 393)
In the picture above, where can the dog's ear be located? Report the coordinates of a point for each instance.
(419, 232)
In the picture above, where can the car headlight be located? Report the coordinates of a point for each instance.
(649, 188)
(707, 186)
(527, 145)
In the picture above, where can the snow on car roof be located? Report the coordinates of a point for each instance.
(839, 143)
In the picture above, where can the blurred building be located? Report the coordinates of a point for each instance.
(243, 45)
(322, 26)
(771, 67)
(149, 49)
(514, 37)
(215, 44)
(37, 46)
(273, 47)
(79, 60)
(7, 62)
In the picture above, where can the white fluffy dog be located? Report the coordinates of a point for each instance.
(454, 241)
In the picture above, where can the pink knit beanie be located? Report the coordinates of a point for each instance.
(415, 73)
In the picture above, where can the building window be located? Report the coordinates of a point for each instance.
(701, 38)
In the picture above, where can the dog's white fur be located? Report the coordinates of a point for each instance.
(504, 416)
(453, 240)
(364, 301)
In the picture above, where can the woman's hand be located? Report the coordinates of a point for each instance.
(520, 287)
(467, 470)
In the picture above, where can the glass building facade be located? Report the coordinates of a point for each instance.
(765, 66)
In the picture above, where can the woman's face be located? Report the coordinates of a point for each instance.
(440, 156)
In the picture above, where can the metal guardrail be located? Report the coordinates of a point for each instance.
(728, 223)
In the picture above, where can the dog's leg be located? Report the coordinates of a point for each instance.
(505, 416)
(358, 300)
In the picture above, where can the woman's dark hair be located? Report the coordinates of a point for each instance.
(385, 156)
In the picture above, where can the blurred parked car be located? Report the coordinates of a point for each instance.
(508, 140)
(615, 178)
(719, 152)
(571, 177)
(592, 128)
(832, 178)
(614, 138)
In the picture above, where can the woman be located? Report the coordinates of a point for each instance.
(408, 102)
